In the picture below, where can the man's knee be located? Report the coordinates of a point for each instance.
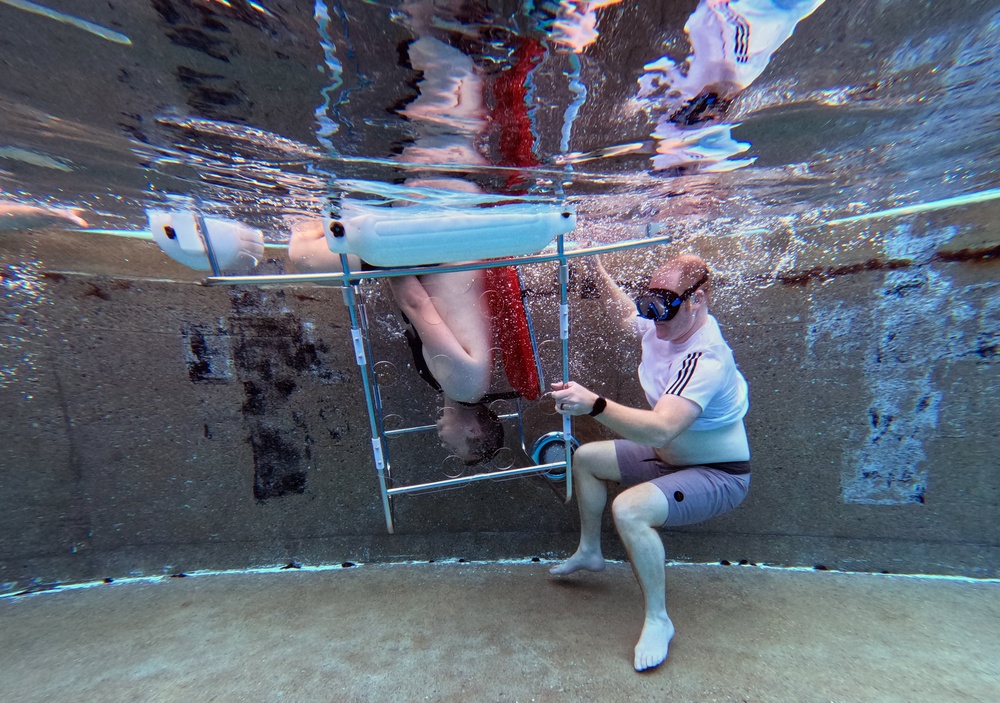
(643, 505)
(586, 455)
(597, 459)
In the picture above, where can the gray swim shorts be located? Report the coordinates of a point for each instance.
(695, 493)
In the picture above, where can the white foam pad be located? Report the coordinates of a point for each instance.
(236, 246)
(419, 234)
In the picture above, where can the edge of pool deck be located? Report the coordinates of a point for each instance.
(466, 631)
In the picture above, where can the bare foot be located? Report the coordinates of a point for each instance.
(15, 216)
(589, 561)
(651, 650)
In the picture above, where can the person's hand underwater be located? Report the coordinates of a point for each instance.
(573, 399)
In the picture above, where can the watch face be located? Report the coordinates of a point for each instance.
(599, 406)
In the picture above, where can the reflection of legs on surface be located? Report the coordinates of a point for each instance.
(637, 513)
(593, 464)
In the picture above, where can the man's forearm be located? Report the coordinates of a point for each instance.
(646, 427)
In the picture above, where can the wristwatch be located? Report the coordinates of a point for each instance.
(599, 406)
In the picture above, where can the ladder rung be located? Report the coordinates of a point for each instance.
(540, 468)
(425, 428)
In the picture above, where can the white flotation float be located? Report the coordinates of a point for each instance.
(236, 246)
(415, 235)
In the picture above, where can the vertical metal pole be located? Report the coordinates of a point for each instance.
(564, 335)
(359, 335)
(534, 344)
(199, 222)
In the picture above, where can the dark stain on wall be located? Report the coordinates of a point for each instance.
(819, 273)
(982, 255)
(205, 28)
(95, 291)
(274, 356)
(986, 346)
(271, 351)
(207, 354)
(192, 27)
(277, 463)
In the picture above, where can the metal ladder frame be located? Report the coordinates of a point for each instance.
(353, 299)
(373, 400)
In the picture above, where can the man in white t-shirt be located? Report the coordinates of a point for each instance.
(684, 461)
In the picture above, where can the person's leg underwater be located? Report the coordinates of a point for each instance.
(681, 497)
(593, 464)
(638, 512)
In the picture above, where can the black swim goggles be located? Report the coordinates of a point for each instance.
(660, 304)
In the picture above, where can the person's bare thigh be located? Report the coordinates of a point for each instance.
(599, 460)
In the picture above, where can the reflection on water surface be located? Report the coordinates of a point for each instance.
(702, 114)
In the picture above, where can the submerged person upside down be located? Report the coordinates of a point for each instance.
(450, 334)
(683, 461)
(451, 337)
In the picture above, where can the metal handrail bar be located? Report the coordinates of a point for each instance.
(537, 469)
(341, 278)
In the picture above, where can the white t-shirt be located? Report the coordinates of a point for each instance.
(702, 369)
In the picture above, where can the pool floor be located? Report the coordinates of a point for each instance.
(504, 632)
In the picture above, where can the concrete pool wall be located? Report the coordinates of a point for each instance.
(153, 425)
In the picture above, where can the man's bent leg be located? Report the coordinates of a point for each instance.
(638, 512)
(593, 464)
